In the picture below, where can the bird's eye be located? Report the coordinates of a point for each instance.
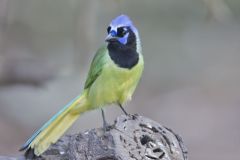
(108, 29)
(121, 31)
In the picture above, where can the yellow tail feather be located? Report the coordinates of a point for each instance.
(59, 125)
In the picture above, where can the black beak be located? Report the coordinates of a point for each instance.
(110, 38)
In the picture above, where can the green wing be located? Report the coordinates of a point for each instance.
(96, 66)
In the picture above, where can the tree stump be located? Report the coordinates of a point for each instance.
(131, 137)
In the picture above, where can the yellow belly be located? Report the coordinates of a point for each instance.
(114, 85)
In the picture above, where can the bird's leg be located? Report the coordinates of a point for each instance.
(105, 124)
(124, 111)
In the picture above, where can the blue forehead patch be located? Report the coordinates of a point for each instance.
(123, 20)
(113, 33)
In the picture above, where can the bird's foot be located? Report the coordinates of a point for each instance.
(106, 126)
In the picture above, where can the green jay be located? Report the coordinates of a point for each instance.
(113, 76)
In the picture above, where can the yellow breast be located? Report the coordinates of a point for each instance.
(114, 85)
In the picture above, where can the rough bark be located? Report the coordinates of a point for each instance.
(129, 138)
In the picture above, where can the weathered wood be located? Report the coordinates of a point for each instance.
(129, 138)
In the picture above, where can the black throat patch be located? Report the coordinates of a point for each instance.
(125, 56)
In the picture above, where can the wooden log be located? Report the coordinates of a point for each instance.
(131, 137)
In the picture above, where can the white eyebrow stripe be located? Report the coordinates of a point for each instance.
(118, 26)
(114, 28)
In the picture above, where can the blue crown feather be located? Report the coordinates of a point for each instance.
(123, 20)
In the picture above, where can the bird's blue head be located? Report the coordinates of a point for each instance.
(121, 29)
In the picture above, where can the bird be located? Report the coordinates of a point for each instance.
(113, 76)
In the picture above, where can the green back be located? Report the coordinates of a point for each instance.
(96, 66)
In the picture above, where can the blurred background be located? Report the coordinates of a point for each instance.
(191, 78)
